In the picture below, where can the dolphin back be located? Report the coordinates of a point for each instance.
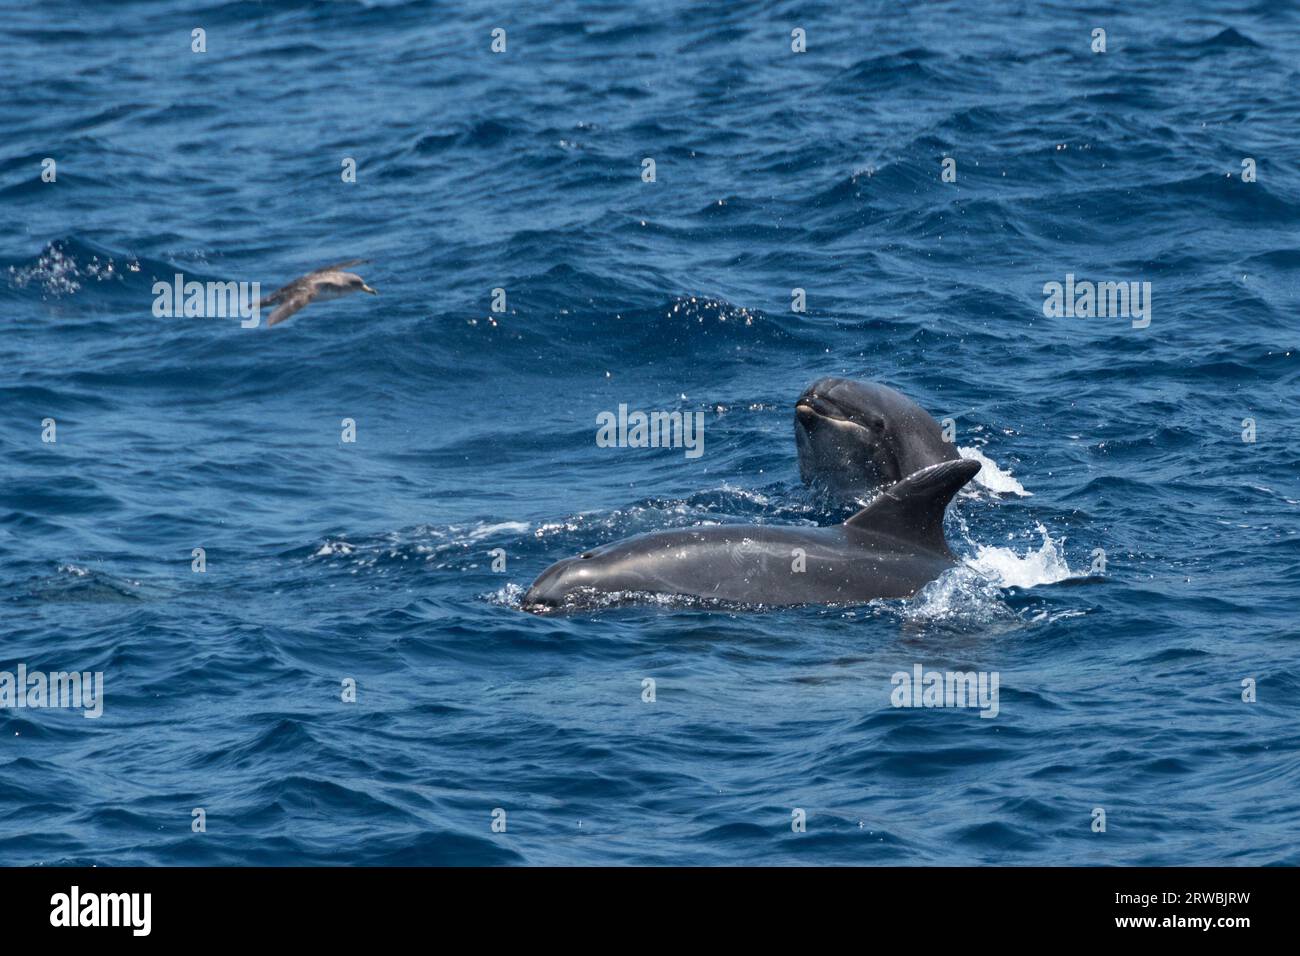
(912, 510)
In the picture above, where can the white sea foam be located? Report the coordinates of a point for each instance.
(59, 274)
(960, 596)
(1005, 568)
(485, 530)
(509, 595)
(333, 547)
(972, 595)
(992, 476)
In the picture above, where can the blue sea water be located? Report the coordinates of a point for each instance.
(1121, 690)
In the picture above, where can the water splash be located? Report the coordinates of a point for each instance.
(961, 598)
(972, 596)
(1007, 569)
(992, 476)
(60, 271)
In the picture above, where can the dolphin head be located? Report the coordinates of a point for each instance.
(844, 432)
(558, 586)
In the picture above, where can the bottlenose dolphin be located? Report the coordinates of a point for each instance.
(855, 438)
(889, 549)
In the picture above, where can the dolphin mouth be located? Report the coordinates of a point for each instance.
(541, 608)
(549, 593)
(541, 601)
(816, 406)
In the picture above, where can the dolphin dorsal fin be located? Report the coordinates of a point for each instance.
(913, 509)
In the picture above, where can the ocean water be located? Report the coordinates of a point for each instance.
(1121, 688)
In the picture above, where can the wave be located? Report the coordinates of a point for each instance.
(73, 583)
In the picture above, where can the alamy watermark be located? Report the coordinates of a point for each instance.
(1084, 299)
(653, 430)
(81, 689)
(208, 300)
(922, 688)
(75, 908)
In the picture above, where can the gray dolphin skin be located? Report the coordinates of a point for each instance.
(855, 438)
(889, 549)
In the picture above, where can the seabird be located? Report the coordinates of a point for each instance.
(328, 282)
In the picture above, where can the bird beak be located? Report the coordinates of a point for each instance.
(366, 288)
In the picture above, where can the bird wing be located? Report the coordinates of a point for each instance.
(280, 294)
(285, 309)
(337, 265)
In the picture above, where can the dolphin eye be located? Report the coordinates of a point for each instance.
(587, 554)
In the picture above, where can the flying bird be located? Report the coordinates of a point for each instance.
(328, 282)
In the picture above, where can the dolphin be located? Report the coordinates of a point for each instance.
(889, 549)
(855, 438)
